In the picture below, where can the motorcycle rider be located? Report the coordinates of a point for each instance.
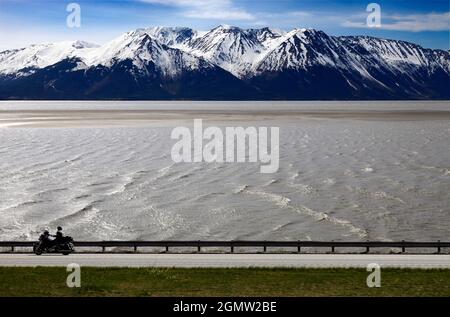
(59, 237)
(61, 244)
(45, 239)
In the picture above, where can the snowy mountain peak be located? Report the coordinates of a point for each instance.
(173, 36)
(227, 28)
(41, 55)
(84, 44)
(231, 48)
(144, 50)
(300, 49)
(136, 45)
(309, 35)
(267, 34)
(397, 56)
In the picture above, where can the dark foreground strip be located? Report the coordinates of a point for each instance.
(358, 306)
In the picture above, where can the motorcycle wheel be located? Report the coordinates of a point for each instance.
(38, 251)
(66, 253)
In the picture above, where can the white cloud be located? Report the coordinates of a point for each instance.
(410, 23)
(300, 14)
(207, 9)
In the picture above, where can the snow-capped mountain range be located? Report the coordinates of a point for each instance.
(226, 62)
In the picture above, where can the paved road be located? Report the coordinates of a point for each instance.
(229, 260)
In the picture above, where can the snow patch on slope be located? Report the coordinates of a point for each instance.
(41, 55)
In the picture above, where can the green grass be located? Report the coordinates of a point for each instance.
(47, 281)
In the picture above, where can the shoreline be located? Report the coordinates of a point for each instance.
(121, 117)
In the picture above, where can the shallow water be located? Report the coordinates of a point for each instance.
(339, 179)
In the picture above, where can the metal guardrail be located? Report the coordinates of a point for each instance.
(438, 245)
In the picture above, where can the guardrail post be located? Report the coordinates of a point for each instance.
(198, 246)
(135, 248)
(299, 249)
(367, 249)
(103, 248)
(232, 247)
(439, 246)
(265, 248)
(12, 248)
(167, 248)
(332, 247)
(403, 246)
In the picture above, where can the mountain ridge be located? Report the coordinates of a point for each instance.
(260, 63)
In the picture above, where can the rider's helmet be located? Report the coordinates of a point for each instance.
(59, 228)
(46, 232)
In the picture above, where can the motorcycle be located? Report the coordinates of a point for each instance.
(65, 247)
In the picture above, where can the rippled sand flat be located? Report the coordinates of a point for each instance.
(348, 171)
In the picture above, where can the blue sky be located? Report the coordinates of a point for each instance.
(23, 22)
